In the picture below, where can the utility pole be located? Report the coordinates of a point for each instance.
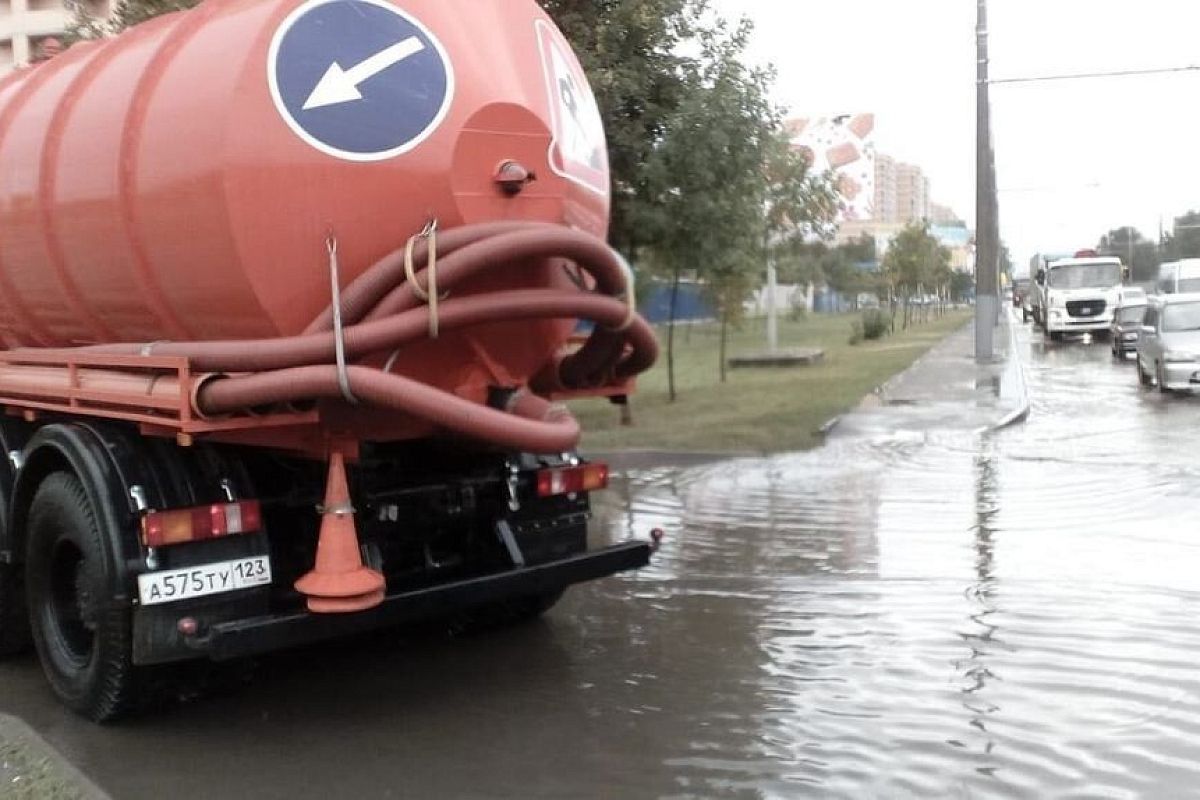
(987, 235)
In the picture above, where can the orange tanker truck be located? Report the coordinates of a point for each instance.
(287, 297)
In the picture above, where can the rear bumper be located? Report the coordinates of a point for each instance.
(263, 634)
(1124, 345)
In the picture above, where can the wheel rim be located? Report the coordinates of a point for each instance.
(72, 613)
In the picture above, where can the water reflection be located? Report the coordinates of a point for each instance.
(980, 637)
(938, 612)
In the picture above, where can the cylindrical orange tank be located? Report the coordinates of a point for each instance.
(179, 182)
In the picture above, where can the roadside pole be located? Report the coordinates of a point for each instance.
(987, 238)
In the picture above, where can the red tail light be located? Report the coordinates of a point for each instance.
(200, 522)
(570, 480)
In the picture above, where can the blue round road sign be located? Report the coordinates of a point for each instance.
(359, 79)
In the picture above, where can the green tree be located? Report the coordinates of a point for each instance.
(634, 54)
(861, 249)
(798, 204)
(1141, 255)
(961, 285)
(846, 273)
(712, 165)
(125, 14)
(1183, 241)
(914, 263)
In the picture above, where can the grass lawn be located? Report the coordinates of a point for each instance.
(762, 409)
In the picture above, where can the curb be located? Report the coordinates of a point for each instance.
(1016, 369)
(829, 425)
(65, 779)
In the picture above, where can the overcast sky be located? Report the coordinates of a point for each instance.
(1074, 158)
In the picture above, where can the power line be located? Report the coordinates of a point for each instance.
(1121, 73)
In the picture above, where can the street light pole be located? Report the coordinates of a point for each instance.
(987, 237)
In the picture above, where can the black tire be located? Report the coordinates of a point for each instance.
(1055, 336)
(84, 648)
(14, 618)
(507, 613)
(1143, 377)
(1160, 378)
(539, 604)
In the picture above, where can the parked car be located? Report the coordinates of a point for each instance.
(1126, 327)
(1027, 307)
(1020, 290)
(1168, 349)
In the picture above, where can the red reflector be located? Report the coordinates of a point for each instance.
(570, 480)
(180, 525)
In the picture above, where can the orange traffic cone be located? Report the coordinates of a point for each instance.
(339, 582)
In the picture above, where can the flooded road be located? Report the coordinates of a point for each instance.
(913, 610)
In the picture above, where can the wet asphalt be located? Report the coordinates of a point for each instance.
(916, 609)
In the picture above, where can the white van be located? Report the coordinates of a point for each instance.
(1179, 277)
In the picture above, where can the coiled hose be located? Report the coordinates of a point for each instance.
(381, 312)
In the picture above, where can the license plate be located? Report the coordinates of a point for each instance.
(172, 585)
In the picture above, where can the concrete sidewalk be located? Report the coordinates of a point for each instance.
(947, 390)
(30, 769)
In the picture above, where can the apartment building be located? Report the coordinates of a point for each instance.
(886, 189)
(901, 191)
(912, 193)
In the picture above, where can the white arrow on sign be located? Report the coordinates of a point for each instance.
(339, 85)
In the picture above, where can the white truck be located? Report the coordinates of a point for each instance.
(1077, 294)
(1179, 277)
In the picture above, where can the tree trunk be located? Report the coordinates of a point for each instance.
(671, 334)
(724, 339)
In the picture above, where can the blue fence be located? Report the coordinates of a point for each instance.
(690, 304)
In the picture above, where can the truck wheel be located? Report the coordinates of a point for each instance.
(1143, 376)
(1055, 336)
(84, 648)
(14, 619)
(505, 614)
(539, 604)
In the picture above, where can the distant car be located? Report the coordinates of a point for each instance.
(1131, 295)
(1020, 295)
(1168, 348)
(1027, 307)
(1126, 328)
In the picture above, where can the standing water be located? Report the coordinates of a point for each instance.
(937, 614)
